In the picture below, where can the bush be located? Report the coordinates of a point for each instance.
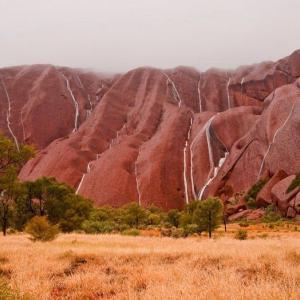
(166, 232)
(173, 217)
(191, 229)
(177, 232)
(241, 235)
(244, 224)
(132, 232)
(41, 230)
(250, 197)
(98, 226)
(271, 215)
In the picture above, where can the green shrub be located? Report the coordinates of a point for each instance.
(177, 232)
(40, 229)
(250, 197)
(173, 217)
(271, 214)
(166, 232)
(244, 224)
(132, 232)
(153, 219)
(191, 229)
(241, 234)
(98, 226)
(295, 183)
(262, 236)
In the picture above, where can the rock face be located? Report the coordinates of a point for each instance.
(264, 196)
(162, 137)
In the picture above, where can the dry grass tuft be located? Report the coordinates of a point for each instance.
(79, 266)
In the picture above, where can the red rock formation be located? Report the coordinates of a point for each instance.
(162, 137)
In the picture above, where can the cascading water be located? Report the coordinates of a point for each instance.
(89, 111)
(184, 163)
(79, 81)
(242, 82)
(97, 157)
(213, 169)
(199, 95)
(137, 179)
(176, 95)
(74, 101)
(88, 170)
(8, 115)
(23, 127)
(228, 94)
(273, 140)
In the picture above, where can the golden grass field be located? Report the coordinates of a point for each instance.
(79, 266)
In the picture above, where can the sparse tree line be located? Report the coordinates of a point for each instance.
(44, 207)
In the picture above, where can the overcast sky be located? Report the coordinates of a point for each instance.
(118, 35)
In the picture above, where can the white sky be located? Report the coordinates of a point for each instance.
(118, 35)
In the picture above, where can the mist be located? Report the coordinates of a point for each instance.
(119, 35)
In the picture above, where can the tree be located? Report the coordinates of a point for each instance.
(58, 202)
(208, 214)
(11, 190)
(11, 161)
(134, 215)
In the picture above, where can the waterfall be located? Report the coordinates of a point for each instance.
(228, 95)
(88, 170)
(199, 95)
(22, 123)
(213, 170)
(8, 115)
(89, 111)
(273, 140)
(242, 82)
(184, 163)
(80, 83)
(76, 106)
(136, 178)
(175, 93)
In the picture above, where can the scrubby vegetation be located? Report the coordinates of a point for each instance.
(295, 183)
(241, 234)
(40, 229)
(253, 192)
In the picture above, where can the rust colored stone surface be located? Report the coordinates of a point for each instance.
(263, 198)
(162, 137)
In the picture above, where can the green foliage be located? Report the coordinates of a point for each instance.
(173, 217)
(90, 226)
(208, 215)
(191, 229)
(271, 214)
(40, 229)
(295, 183)
(241, 234)
(132, 232)
(134, 215)
(244, 224)
(250, 197)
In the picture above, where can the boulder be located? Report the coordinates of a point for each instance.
(291, 212)
(255, 214)
(233, 209)
(279, 195)
(295, 203)
(263, 198)
(247, 214)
